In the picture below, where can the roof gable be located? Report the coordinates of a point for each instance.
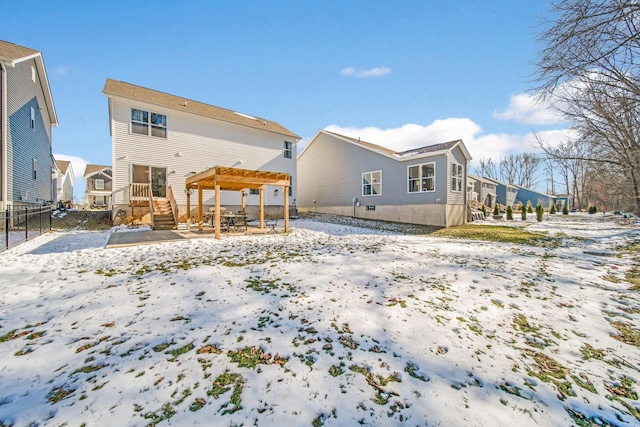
(93, 169)
(114, 88)
(397, 155)
(12, 54)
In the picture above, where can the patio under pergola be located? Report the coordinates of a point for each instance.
(220, 178)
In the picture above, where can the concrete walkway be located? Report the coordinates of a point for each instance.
(135, 238)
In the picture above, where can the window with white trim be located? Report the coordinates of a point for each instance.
(98, 184)
(287, 149)
(148, 123)
(33, 74)
(254, 191)
(457, 176)
(372, 183)
(422, 177)
(35, 169)
(33, 118)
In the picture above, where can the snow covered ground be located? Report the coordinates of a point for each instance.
(328, 325)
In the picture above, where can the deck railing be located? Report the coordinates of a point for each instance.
(174, 205)
(139, 193)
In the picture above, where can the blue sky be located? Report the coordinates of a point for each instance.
(400, 74)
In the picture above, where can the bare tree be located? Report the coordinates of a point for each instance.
(486, 169)
(589, 70)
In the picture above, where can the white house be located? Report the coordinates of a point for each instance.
(346, 176)
(64, 182)
(159, 140)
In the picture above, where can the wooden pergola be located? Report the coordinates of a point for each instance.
(220, 178)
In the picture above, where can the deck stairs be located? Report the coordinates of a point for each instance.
(163, 215)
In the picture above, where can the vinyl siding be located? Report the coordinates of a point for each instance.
(24, 143)
(108, 183)
(194, 144)
(456, 197)
(330, 176)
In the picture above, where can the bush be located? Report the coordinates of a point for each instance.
(529, 206)
(484, 211)
(523, 212)
(553, 209)
(592, 210)
(539, 211)
(496, 209)
(509, 213)
(565, 209)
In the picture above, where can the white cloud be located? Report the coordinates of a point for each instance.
(479, 144)
(78, 164)
(373, 72)
(61, 70)
(525, 108)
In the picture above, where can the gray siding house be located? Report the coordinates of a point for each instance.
(346, 176)
(98, 188)
(27, 114)
(486, 191)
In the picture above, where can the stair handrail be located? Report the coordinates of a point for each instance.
(174, 205)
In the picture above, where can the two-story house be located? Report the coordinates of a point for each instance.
(346, 176)
(27, 114)
(160, 140)
(99, 184)
(63, 182)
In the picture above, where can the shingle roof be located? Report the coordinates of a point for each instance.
(10, 52)
(400, 154)
(63, 165)
(126, 90)
(90, 169)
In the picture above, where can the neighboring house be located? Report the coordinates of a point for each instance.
(99, 185)
(160, 140)
(27, 114)
(341, 175)
(527, 195)
(486, 190)
(506, 193)
(64, 182)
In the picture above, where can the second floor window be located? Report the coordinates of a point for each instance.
(287, 149)
(33, 118)
(457, 175)
(148, 123)
(99, 184)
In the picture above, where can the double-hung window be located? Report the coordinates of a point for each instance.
(457, 175)
(148, 123)
(32, 122)
(422, 177)
(99, 184)
(372, 183)
(287, 149)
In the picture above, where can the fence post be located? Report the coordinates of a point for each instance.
(7, 221)
(26, 224)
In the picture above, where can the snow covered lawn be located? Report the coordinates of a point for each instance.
(328, 325)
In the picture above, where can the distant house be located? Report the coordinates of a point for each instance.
(64, 182)
(159, 140)
(486, 190)
(506, 194)
(99, 185)
(346, 176)
(27, 114)
(527, 195)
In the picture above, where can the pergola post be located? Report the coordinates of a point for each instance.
(217, 214)
(262, 207)
(244, 200)
(188, 191)
(285, 188)
(200, 222)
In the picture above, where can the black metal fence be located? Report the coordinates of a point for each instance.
(19, 224)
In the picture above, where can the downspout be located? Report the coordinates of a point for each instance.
(3, 138)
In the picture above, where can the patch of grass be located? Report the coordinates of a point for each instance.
(550, 371)
(250, 357)
(582, 420)
(197, 405)
(165, 413)
(179, 351)
(412, 370)
(622, 388)
(633, 276)
(335, 371)
(589, 352)
(59, 393)
(89, 368)
(222, 382)
(583, 382)
(628, 334)
(162, 347)
(500, 234)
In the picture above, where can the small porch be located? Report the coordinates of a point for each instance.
(220, 179)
